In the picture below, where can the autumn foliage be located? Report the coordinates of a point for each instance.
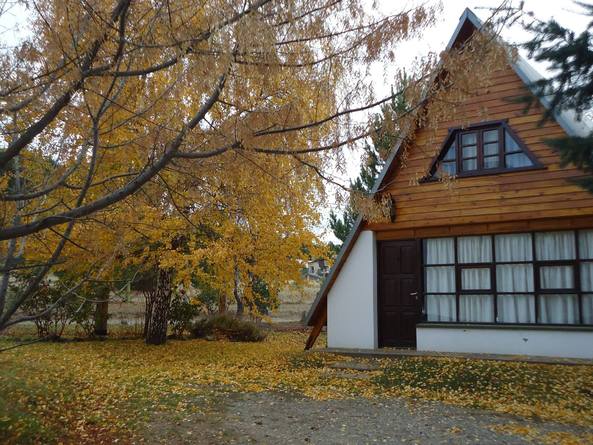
(188, 138)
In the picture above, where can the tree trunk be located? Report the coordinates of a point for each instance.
(237, 293)
(157, 319)
(147, 309)
(102, 313)
(222, 303)
(240, 307)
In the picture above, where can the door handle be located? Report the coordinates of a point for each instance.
(414, 294)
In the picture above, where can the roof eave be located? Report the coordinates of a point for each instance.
(347, 245)
(567, 119)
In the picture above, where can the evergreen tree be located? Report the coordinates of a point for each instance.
(383, 139)
(570, 57)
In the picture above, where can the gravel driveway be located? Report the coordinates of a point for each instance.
(271, 418)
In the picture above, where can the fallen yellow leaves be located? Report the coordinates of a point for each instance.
(96, 391)
(546, 438)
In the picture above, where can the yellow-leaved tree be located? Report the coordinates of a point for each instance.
(189, 136)
(242, 234)
(105, 102)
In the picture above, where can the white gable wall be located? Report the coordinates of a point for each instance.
(352, 300)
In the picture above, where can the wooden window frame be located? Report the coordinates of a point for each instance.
(537, 291)
(537, 265)
(454, 136)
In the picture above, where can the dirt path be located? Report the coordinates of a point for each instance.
(271, 418)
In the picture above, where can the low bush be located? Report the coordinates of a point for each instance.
(228, 327)
(181, 313)
(55, 311)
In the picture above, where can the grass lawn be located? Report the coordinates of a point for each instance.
(99, 391)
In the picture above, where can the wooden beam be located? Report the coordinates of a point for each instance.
(570, 223)
(317, 327)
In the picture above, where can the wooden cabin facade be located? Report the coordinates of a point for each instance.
(501, 262)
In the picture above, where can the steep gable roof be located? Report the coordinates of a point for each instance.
(468, 23)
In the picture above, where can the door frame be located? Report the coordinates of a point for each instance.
(420, 285)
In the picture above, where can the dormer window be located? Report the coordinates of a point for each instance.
(482, 149)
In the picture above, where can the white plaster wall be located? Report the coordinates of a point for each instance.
(352, 300)
(550, 343)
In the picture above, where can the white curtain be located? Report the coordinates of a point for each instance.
(475, 278)
(439, 251)
(440, 279)
(440, 307)
(556, 277)
(514, 278)
(555, 246)
(474, 249)
(587, 286)
(516, 308)
(586, 253)
(517, 160)
(558, 309)
(476, 308)
(587, 277)
(588, 309)
(515, 247)
(514, 281)
(586, 244)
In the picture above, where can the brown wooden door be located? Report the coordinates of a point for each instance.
(399, 292)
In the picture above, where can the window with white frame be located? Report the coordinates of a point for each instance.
(526, 278)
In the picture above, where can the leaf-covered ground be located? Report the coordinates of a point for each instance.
(92, 392)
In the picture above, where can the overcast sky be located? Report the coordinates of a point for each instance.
(436, 38)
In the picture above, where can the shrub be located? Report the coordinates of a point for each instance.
(228, 327)
(181, 313)
(51, 324)
(76, 307)
(84, 316)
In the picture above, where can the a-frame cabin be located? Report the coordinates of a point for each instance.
(500, 263)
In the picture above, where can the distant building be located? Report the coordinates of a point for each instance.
(316, 269)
